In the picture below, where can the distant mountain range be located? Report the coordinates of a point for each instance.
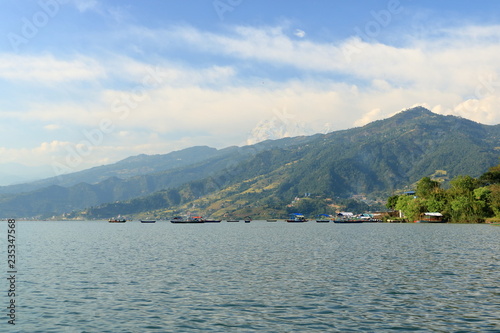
(368, 162)
(132, 177)
(16, 173)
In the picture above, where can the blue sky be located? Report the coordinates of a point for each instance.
(90, 82)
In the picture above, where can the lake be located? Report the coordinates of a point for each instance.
(241, 277)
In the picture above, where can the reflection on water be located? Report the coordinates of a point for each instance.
(270, 277)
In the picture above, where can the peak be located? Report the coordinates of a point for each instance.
(417, 111)
(406, 116)
(420, 109)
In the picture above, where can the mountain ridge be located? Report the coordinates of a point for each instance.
(421, 144)
(127, 167)
(371, 160)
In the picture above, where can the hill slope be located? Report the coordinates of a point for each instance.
(127, 168)
(126, 179)
(372, 160)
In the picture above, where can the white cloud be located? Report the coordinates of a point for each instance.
(48, 69)
(299, 33)
(421, 63)
(52, 127)
(118, 13)
(481, 110)
(368, 117)
(35, 155)
(68, 113)
(174, 105)
(86, 5)
(267, 45)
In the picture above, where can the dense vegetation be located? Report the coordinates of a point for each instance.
(467, 199)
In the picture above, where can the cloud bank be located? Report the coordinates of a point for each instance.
(264, 82)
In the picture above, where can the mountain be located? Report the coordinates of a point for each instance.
(133, 177)
(16, 173)
(366, 162)
(370, 162)
(129, 167)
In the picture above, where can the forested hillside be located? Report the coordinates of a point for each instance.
(367, 164)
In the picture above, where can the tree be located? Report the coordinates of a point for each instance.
(492, 176)
(482, 205)
(464, 205)
(463, 185)
(410, 206)
(495, 199)
(392, 202)
(462, 209)
(426, 186)
(437, 202)
(467, 200)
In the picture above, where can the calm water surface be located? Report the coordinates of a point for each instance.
(269, 277)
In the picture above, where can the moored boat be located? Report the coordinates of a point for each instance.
(346, 217)
(113, 220)
(369, 218)
(372, 221)
(194, 219)
(148, 221)
(348, 221)
(431, 217)
(297, 218)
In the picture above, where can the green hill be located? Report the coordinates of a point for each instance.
(126, 179)
(328, 171)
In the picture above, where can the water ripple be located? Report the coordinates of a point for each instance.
(269, 277)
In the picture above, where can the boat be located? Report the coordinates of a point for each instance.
(113, 220)
(369, 218)
(431, 217)
(212, 221)
(272, 220)
(194, 219)
(348, 221)
(148, 221)
(346, 217)
(296, 218)
(372, 220)
(323, 218)
(248, 219)
(232, 220)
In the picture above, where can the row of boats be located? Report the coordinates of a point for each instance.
(199, 219)
(294, 218)
(339, 218)
(124, 220)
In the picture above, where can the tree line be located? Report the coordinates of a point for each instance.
(465, 200)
